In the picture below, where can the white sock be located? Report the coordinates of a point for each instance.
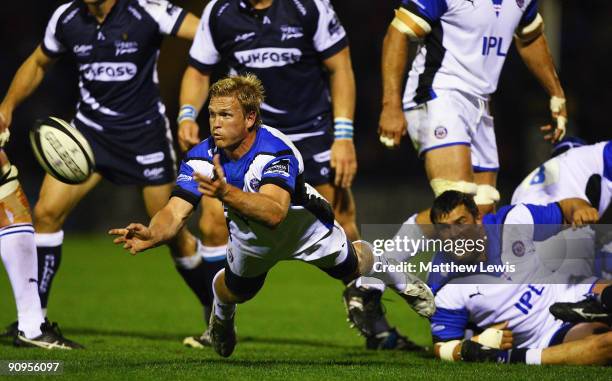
(188, 263)
(223, 311)
(395, 280)
(212, 253)
(371, 283)
(533, 357)
(18, 253)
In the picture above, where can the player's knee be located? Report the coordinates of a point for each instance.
(243, 288)
(48, 218)
(365, 255)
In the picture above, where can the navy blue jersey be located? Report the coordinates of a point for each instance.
(283, 45)
(116, 59)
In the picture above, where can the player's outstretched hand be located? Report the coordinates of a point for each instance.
(496, 336)
(344, 162)
(215, 186)
(188, 134)
(584, 216)
(391, 126)
(134, 237)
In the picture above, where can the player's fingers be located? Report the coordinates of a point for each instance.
(220, 174)
(119, 240)
(339, 173)
(117, 232)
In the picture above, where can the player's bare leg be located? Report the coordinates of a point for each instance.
(343, 202)
(197, 263)
(55, 202)
(595, 349)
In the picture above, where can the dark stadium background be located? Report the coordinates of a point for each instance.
(391, 185)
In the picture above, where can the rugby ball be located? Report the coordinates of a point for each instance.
(62, 150)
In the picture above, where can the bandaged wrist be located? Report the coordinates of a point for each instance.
(343, 128)
(447, 349)
(187, 112)
(491, 338)
(557, 103)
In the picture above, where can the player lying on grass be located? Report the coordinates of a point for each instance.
(273, 214)
(521, 329)
(18, 252)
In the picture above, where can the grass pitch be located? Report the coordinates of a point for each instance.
(132, 313)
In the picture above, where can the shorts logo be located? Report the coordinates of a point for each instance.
(230, 256)
(254, 184)
(324, 171)
(82, 50)
(440, 132)
(280, 167)
(268, 57)
(151, 158)
(518, 248)
(125, 47)
(244, 36)
(109, 71)
(289, 32)
(154, 173)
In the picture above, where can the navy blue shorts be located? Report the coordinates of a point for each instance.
(135, 155)
(316, 150)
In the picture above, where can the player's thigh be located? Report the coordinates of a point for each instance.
(583, 330)
(450, 163)
(56, 200)
(341, 199)
(156, 197)
(212, 222)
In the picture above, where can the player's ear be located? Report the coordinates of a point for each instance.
(251, 120)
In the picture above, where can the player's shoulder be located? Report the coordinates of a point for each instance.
(274, 142)
(66, 12)
(205, 150)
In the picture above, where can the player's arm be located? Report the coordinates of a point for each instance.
(533, 48)
(164, 225)
(577, 211)
(194, 91)
(188, 27)
(25, 81)
(342, 83)
(405, 26)
(269, 206)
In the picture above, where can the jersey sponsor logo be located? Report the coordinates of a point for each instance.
(525, 304)
(300, 7)
(151, 158)
(254, 184)
(184, 178)
(125, 47)
(440, 132)
(82, 50)
(134, 13)
(109, 71)
(268, 57)
(518, 248)
(280, 167)
(244, 36)
(334, 27)
(154, 173)
(493, 45)
(288, 32)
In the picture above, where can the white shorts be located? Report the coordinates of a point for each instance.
(566, 293)
(455, 118)
(325, 253)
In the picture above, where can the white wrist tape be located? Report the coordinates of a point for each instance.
(387, 141)
(491, 338)
(447, 349)
(557, 104)
(4, 137)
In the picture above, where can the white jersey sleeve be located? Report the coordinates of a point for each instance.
(52, 43)
(330, 35)
(203, 54)
(168, 16)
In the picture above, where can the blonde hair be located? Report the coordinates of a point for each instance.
(247, 89)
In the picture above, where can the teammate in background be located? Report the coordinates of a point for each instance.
(514, 305)
(18, 252)
(445, 108)
(273, 214)
(115, 44)
(300, 51)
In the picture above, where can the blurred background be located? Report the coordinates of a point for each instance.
(390, 185)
